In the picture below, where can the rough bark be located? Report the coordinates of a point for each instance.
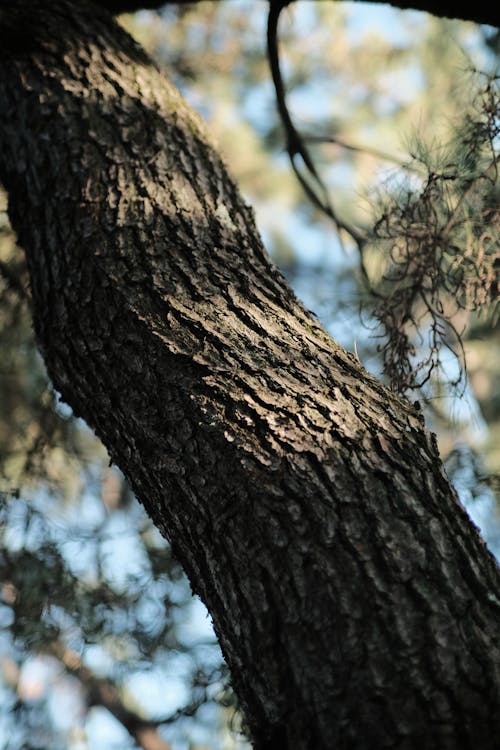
(355, 603)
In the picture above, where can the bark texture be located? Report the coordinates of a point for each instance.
(355, 603)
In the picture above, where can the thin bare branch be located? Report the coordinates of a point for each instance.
(297, 150)
(383, 155)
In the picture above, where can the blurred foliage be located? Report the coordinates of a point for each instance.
(85, 579)
(83, 585)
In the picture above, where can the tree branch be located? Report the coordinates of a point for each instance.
(104, 693)
(297, 150)
(482, 11)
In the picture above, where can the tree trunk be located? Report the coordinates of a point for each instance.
(355, 603)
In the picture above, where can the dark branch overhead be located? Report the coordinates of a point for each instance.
(481, 11)
(128, 6)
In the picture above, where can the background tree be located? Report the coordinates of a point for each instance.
(262, 69)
